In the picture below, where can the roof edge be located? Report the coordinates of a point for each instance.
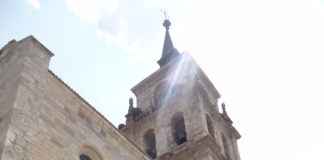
(32, 38)
(96, 111)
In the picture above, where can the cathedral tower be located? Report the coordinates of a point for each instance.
(177, 114)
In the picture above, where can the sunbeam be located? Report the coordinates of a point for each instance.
(184, 72)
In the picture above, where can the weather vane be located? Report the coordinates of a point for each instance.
(165, 14)
(166, 22)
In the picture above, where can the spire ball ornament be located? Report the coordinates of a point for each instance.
(167, 24)
(169, 52)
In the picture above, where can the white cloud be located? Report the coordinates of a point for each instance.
(91, 10)
(121, 22)
(34, 3)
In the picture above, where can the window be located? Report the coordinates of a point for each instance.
(89, 153)
(84, 157)
(150, 143)
(210, 126)
(179, 128)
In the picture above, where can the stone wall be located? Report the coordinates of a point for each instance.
(179, 83)
(188, 91)
(9, 71)
(42, 118)
(49, 120)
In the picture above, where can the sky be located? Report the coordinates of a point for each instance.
(264, 57)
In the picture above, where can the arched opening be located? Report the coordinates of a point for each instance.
(84, 157)
(179, 128)
(89, 153)
(150, 143)
(210, 126)
(226, 147)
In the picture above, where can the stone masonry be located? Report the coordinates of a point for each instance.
(176, 117)
(42, 118)
(187, 91)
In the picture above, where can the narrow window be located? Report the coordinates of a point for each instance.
(210, 126)
(179, 129)
(84, 157)
(150, 143)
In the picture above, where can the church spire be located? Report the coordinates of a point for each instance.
(168, 52)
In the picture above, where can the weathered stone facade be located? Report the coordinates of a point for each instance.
(43, 119)
(178, 107)
(183, 88)
(176, 116)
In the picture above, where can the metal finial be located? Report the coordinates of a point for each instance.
(166, 22)
(165, 14)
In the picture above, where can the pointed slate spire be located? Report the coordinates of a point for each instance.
(168, 52)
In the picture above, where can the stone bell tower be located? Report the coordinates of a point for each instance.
(177, 114)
